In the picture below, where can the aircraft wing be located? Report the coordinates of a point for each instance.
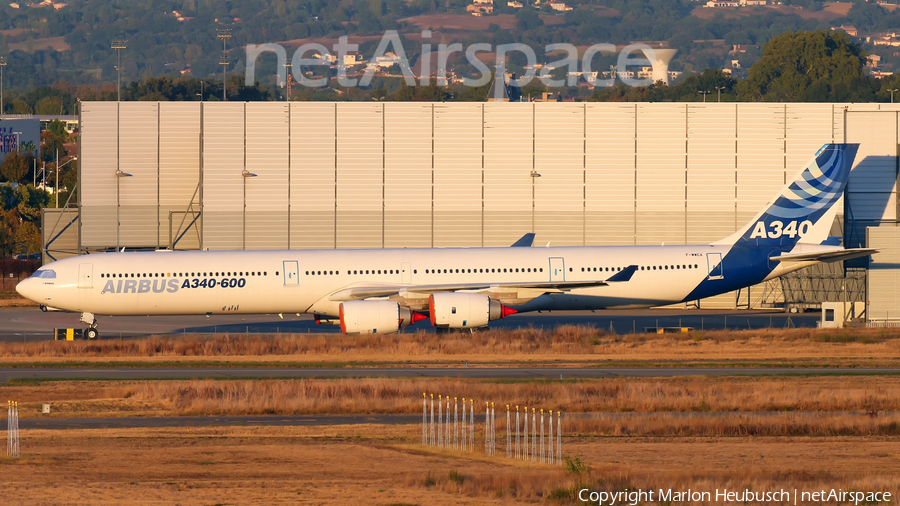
(832, 255)
(365, 292)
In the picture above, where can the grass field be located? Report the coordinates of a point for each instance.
(562, 345)
(800, 432)
(387, 465)
(830, 405)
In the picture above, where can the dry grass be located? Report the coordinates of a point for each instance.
(384, 465)
(567, 343)
(836, 395)
(738, 425)
(702, 433)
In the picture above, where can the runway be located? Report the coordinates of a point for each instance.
(30, 324)
(484, 373)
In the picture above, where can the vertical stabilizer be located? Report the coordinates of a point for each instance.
(804, 210)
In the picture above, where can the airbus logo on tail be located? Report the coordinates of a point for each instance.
(779, 229)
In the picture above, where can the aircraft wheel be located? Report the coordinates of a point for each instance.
(91, 333)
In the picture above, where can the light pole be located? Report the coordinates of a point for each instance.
(2, 64)
(119, 45)
(288, 67)
(58, 168)
(892, 94)
(704, 93)
(224, 34)
(719, 92)
(201, 90)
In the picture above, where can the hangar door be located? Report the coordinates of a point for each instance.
(871, 196)
(884, 275)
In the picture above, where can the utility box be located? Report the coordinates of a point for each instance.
(835, 315)
(68, 334)
(45, 408)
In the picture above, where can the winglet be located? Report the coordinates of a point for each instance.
(525, 242)
(623, 275)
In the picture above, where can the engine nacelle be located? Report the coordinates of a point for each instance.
(375, 317)
(457, 310)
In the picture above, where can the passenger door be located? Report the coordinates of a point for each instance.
(714, 264)
(405, 273)
(85, 275)
(291, 273)
(557, 269)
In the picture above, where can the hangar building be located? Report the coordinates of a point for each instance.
(274, 175)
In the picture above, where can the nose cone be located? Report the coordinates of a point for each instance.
(28, 289)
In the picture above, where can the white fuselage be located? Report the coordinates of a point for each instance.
(302, 281)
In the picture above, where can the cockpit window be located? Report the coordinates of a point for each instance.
(44, 274)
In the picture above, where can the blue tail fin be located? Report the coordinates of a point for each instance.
(804, 209)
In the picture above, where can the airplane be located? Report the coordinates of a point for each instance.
(381, 290)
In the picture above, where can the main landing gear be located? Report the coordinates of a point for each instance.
(91, 332)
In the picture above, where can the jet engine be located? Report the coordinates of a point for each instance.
(457, 310)
(375, 317)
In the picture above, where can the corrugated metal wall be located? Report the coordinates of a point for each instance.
(97, 195)
(373, 175)
(881, 287)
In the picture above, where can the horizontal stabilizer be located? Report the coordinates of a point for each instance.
(832, 255)
(526, 241)
(623, 275)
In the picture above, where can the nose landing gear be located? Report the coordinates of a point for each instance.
(91, 332)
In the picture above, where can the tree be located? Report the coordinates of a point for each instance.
(58, 129)
(809, 67)
(15, 166)
(49, 105)
(51, 146)
(20, 214)
(21, 107)
(526, 19)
